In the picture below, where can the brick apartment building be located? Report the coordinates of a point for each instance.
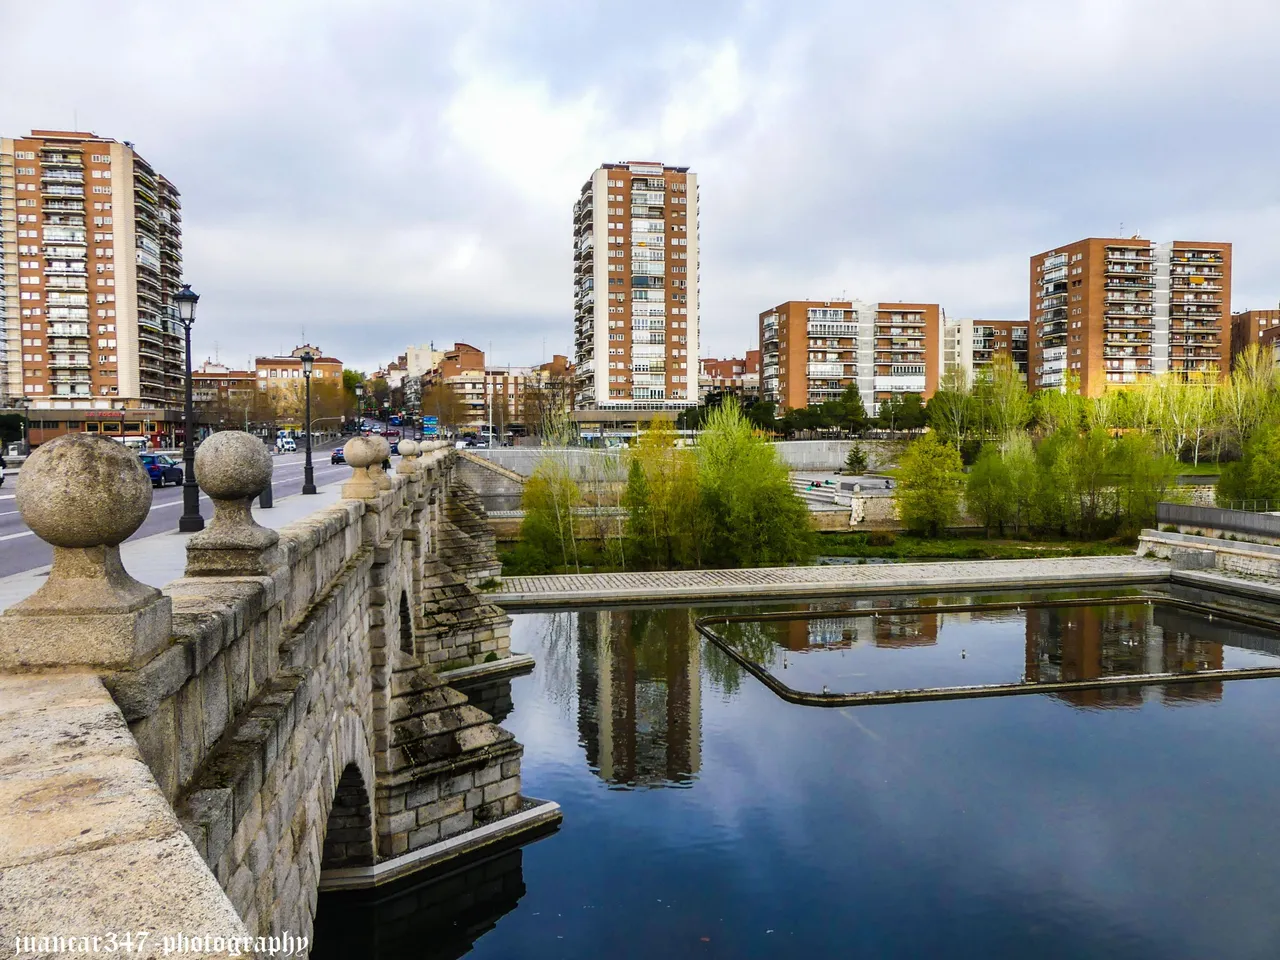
(635, 263)
(1111, 311)
(812, 351)
(1249, 327)
(90, 258)
(736, 375)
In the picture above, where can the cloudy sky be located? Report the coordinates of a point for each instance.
(395, 172)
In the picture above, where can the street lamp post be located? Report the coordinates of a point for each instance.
(308, 477)
(191, 521)
(359, 407)
(24, 404)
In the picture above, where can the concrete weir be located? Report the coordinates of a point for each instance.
(202, 759)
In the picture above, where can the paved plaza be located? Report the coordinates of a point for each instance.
(822, 580)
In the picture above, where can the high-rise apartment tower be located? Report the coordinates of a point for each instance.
(635, 270)
(1110, 312)
(90, 257)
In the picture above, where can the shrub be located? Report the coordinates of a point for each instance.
(856, 462)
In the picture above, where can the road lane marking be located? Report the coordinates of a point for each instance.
(15, 536)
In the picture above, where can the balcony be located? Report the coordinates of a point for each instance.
(66, 283)
(59, 190)
(68, 330)
(64, 157)
(72, 269)
(69, 362)
(61, 176)
(1129, 284)
(825, 370)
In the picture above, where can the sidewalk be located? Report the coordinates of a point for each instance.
(160, 558)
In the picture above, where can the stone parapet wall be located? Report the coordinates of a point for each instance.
(292, 720)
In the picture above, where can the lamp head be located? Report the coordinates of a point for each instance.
(186, 299)
(307, 361)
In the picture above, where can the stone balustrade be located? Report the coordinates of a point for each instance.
(275, 711)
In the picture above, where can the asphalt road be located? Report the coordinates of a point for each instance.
(20, 549)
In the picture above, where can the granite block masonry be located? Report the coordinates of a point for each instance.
(271, 715)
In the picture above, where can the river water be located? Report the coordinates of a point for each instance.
(705, 817)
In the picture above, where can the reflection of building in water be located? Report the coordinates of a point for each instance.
(1087, 643)
(639, 695)
(437, 919)
(890, 629)
(907, 630)
(829, 633)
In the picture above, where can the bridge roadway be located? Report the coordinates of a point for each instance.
(21, 550)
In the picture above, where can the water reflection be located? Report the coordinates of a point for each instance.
(640, 696)
(895, 648)
(1084, 643)
(438, 919)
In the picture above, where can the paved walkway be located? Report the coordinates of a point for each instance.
(158, 559)
(779, 582)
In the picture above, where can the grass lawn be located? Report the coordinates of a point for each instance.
(902, 546)
(1199, 469)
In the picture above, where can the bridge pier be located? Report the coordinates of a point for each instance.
(287, 709)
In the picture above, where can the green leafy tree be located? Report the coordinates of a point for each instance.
(989, 492)
(752, 515)
(912, 412)
(1006, 403)
(763, 415)
(1142, 477)
(951, 411)
(1019, 456)
(1256, 476)
(547, 534)
(928, 491)
(664, 527)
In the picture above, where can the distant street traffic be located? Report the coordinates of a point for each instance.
(21, 550)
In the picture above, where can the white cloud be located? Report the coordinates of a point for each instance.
(404, 172)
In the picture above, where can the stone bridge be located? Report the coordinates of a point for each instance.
(201, 760)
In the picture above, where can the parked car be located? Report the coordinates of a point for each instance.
(161, 469)
(337, 456)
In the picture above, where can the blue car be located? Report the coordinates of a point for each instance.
(162, 469)
(337, 457)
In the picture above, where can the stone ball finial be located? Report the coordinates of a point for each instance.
(408, 449)
(363, 455)
(378, 474)
(360, 452)
(232, 465)
(79, 490)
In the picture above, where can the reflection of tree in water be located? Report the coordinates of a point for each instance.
(559, 659)
(757, 640)
(639, 695)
